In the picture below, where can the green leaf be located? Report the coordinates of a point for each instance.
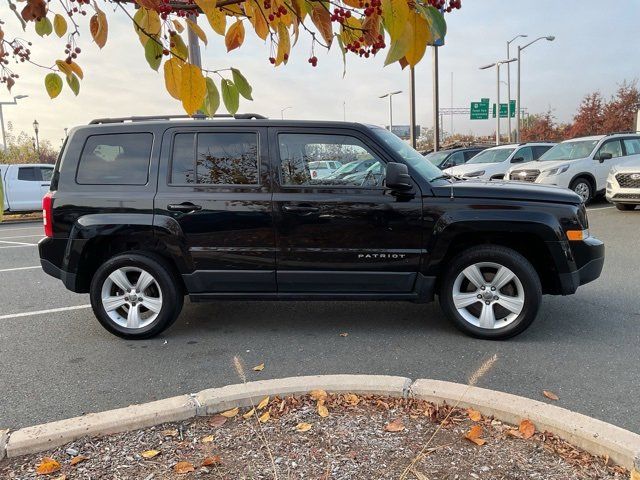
(344, 54)
(212, 98)
(241, 84)
(436, 21)
(44, 27)
(179, 48)
(53, 84)
(74, 84)
(153, 54)
(230, 96)
(399, 47)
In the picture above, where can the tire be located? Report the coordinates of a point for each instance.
(161, 293)
(625, 206)
(582, 186)
(522, 294)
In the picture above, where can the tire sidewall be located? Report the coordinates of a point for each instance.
(171, 304)
(518, 265)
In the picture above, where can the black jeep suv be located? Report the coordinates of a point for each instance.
(145, 210)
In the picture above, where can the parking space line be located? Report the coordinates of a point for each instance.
(18, 268)
(39, 226)
(21, 236)
(43, 312)
(20, 246)
(16, 243)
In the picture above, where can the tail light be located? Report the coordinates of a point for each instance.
(47, 214)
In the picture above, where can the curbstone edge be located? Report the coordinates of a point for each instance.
(4, 437)
(51, 435)
(594, 436)
(215, 400)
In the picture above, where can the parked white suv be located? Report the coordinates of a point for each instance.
(493, 163)
(581, 164)
(23, 186)
(623, 184)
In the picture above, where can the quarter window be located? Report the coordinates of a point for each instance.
(115, 159)
(358, 165)
(632, 145)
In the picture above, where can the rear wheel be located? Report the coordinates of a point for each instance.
(625, 206)
(582, 187)
(491, 292)
(135, 296)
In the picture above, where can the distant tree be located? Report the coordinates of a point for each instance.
(542, 126)
(21, 148)
(619, 113)
(589, 120)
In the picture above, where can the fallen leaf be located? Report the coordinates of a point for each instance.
(149, 453)
(395, 425)
(47, 465)
(344, 334)
(61, 477)
(214, 460)
(550, 395)
(352, 399)
(382, 404)
(474, 415)
(184, 467)
(514, 433)
(263, 403)
(303, 427)
(172, 432)
(317, 394)
(527, 428)
(217, 421)
(474, 435)
(258, 368)
(77, 459)
(322, 411)
(249, 414)
(264, 417)
(207, 439)
(230, 413)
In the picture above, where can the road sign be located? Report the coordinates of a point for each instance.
(484, 100)
(404, 131)
(503, 110)
(479, 110)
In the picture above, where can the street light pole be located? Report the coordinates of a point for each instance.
(549, 38)
(390, 95)
(497, 65)
(15, 102)
(36, 128)
(282, 112)
(412, 107)
(509, 82)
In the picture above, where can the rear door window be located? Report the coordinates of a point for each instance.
(29, 174)
(539, 150)
(115, 159)
(632, 146)
(469, 154)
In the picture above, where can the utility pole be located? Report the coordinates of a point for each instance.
(497, 65)
(451, 127)
(436, 99)
(509, 82)
(412, 107)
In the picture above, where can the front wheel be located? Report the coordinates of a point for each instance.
(625, 206)
(135, 296)
(582, 187)
(491, 292)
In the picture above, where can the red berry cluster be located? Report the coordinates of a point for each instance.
(313, 61)
(360, 48)
(266, 4)
(72, 53)
(20, 53)
(78, 9)
(372, 7)
(340, 15)
(442, 4)
(282, 11)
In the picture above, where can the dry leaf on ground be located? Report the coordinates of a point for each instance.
(149, 453)
(213, 460)
(258, 368)
(172, 432)
(249, 414)
(184, 467)
(303, 427)
(207, 439)
(263, 403)
(264, 417)
(77, 459)
(344, 334)
(322, 411)
(352, 399)
(475, 435)
(61, 477)
(47, 465)
(395, 425)
(474, 415)
(230, 413)
(527, 428)
(217, 421)
(318, 394)
(550, 395)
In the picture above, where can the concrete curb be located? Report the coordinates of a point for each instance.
(594, 436)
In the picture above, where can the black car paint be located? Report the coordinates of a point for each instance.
(273, 241)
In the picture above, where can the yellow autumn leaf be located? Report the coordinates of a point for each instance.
(418, 39)
(78, 459)
(258, 368)
(284, 45)
(184, 467)
(59, 25)
(249, 414)
(216, 17)
(178, 26)
(207, 439)
(322, 411)
(474, 435)
(303, 427)
(264, 417)
(263, 403)
(352, 399)
(173, 76)
(395, 14)
(351, 30)
(99, 27)
(230, 413)
(257, 18)
(47, 465)
(149, 22)
(193, 88)
(197, 30)
(234, 36)
(149, 453)
(75, 68)
(474, 415)
(318, 394)
(321, 18)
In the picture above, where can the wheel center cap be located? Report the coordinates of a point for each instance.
(133, 297)
(488, 295)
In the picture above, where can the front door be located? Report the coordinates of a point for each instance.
(343, 233)
(214, 183)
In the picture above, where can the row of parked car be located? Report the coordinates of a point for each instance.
(589, 166)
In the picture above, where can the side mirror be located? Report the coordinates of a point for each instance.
(398, 177)
(517, 160)
(604, 156)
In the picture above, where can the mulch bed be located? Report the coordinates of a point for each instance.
(321, 436)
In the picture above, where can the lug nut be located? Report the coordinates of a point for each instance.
(487, 303)
(479, 296)
(496, 298)
(483, 287)
(493, 289)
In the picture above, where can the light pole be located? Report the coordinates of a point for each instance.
(549, 38)
(15, 101)
(497, 65)
(390, 95)
(36, 128)
(509, 82)
(282, 112)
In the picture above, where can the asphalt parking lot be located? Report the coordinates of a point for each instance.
(57, 361)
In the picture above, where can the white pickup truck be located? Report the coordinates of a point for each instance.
(24, 186)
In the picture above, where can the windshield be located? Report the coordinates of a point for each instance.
(349, 167)
(570, 150)
(412, 157)
(492, 155)
(437, 158)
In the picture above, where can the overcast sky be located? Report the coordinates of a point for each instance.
(596, 48)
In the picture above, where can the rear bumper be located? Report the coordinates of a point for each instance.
(69, 279)
(589, 261)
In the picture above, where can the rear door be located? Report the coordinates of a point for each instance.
(214, 188)
(24, 188)
(340, 236)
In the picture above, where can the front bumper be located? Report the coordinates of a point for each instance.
(588, 258)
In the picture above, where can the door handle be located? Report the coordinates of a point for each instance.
(184, 207)
(302, 210)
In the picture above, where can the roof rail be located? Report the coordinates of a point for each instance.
(198, 116)
(622, 133)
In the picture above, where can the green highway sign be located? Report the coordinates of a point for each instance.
(484, 100)
(504, 110)
(480, 110)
